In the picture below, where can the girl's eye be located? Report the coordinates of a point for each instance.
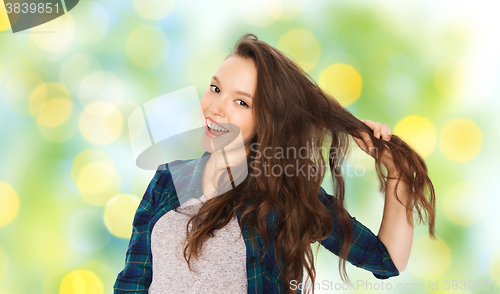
(215, 89)
(244, 103)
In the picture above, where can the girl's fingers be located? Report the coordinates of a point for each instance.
(375, 126)
(380, 131)
(386, 132)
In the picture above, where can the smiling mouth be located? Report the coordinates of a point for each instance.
(215, 128)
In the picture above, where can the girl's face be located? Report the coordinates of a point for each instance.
(228, 101)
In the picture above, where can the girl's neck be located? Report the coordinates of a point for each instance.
(218, 163)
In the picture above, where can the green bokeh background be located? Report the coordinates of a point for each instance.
(436, 61)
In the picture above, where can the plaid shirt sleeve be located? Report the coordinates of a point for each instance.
(367, 251)
(137, 274)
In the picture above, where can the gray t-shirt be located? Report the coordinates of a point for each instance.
(221, 267)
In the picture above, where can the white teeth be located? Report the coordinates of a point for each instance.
(215, 126)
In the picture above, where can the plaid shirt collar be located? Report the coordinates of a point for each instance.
(186, 176)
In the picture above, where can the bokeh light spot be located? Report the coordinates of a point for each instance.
(101, 268)
(101, 123)
(4, 18)
(460, 140)
(147, 47)
(9, 207)
(418, 132)
(95, 176)
(460, 207)
(64, 28)
(54, 112)
(81, 281)
(153, 9)
(52, 106)
(96, 182)
(44, 92)
(430, 258)
(63, 132)
(343, 82)
(119, 214)
(84, 158)
(302, 46)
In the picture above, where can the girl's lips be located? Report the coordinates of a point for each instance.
(213, 121)
(213, 133)
(213, 141)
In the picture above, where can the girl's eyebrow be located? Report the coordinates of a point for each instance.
(237, 92)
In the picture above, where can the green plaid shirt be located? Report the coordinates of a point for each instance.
(366, 252)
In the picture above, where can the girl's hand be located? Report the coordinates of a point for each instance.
(379, 131)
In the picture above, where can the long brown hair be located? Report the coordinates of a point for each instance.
(292, 112)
